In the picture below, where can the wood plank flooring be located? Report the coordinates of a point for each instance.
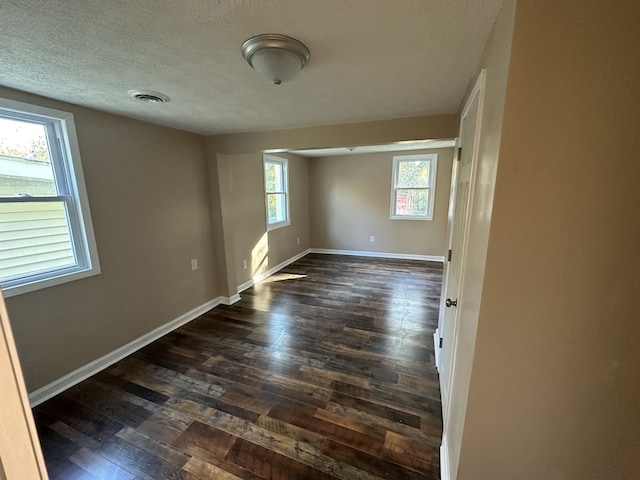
(323, 371)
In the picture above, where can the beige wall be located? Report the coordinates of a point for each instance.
(556, 376)
(149, 195)
(158, 199)
(555, 381)
(350, 200)
(241, 180)
(282, 241)
(219, 251)
(343, 135)
(230, 155)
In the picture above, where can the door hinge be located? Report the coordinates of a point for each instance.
(449, 256)
(459, 153)
(440, 343)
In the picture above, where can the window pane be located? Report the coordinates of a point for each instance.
(273, 177)
(276, 208)
(413, 174)
(34, 237)
(270, 177)
(412, 202)
(25, 162)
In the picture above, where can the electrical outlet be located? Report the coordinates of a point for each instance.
(244, 264)
(372, 238)
(298, 241)
(194, 264)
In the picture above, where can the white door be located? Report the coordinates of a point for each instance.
(449, 326)
(437, 336)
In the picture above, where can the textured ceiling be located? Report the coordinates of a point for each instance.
(370, 59)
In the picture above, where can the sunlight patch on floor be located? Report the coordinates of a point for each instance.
(279, 277)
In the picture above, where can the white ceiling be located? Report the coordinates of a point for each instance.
(370, 59)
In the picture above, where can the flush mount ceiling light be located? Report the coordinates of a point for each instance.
(149, 96)
(277, 57)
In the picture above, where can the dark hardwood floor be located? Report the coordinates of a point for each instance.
(324, 370)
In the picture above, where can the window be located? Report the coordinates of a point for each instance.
(276, 191)
(46, 236)
(413, 188)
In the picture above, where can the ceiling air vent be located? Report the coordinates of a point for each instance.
(149, 96)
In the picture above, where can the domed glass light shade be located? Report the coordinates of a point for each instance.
(276, 57)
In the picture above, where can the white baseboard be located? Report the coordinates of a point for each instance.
(436, 348)
(445, 474)
(245, 285)
(231, 300)
(403, 256)
(69, 380)
(261, 276)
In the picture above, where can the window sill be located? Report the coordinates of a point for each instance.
(48, 282)
(275, 226)
(410, 217)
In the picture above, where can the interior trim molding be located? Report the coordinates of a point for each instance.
(69, 380)
(245, 285)
(261, 276)
(444, 461)
(436, 348)
(231, 300)
(404, 256)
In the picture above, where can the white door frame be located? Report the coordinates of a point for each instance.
(476, 94)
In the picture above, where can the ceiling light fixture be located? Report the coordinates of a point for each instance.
(277, 57)
(149, 96)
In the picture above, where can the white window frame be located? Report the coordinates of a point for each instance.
(432, 158)
(284, 163)
(69, 179)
